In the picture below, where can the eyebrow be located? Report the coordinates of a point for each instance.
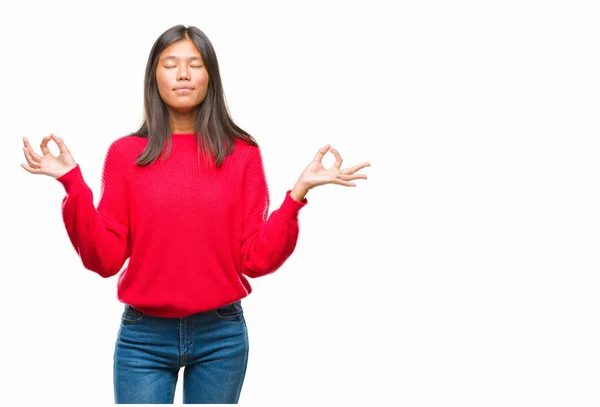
(189, 58)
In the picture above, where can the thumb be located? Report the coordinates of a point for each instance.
(60, 143)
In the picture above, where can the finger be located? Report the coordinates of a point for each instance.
(44, 145)
(352, 177)
(26, 142)
(321, 153)
(30, 159)
(30, 170)
(61, 144)
(31, 150)
(344, 183)
(35, 156)
(338, 158)
(357, 167)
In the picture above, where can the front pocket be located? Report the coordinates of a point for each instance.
(131, 315)
(231, 311)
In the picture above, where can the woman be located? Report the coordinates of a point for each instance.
(193, 225)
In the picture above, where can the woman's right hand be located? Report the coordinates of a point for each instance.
(47, 164)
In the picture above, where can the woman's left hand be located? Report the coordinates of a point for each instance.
(315, 174)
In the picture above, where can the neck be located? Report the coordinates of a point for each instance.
(182, 122)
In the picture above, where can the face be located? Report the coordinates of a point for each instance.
(181, 76)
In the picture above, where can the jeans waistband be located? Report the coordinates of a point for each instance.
(237, 303)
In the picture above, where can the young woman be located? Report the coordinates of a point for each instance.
(185, 199)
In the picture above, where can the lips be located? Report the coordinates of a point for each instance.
(183, 88)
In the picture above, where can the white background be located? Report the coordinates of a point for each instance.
(464, 271)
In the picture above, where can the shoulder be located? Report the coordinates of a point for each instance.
(246, 151)
(250, 159)
(125, 143)
(125, 149)
(128, 144)
(244, 145)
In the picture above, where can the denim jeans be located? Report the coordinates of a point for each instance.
(211, 346)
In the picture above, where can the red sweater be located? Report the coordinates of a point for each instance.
(193, 232)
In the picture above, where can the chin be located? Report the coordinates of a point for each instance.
(183, 108)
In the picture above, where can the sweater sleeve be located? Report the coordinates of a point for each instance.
(267, 241)
(100, 237)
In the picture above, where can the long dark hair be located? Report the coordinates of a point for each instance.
(214, 128)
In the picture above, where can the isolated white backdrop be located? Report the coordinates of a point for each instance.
(464, 271)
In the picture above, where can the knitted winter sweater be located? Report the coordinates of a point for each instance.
(193, 233)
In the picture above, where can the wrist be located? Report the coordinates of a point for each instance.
(299, 191)
(64, 172)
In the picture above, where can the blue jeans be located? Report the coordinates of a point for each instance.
(212, 346)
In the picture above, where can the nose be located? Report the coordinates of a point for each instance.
(183, 73)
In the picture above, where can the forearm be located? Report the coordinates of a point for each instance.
(99, 240)
(270, 242)
(299, 192)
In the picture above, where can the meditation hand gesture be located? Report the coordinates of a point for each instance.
(48, 164)
(315, 174)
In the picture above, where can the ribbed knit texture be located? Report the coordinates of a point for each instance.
(193, 232)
